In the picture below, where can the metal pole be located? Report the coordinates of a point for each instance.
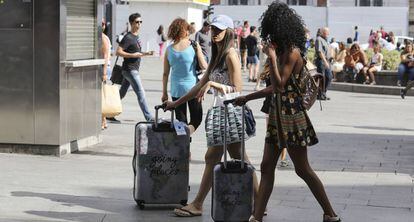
(327, 13)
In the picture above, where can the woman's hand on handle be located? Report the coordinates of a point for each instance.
(240, 101)
(203, 91)
(169, 105)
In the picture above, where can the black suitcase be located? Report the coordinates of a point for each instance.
(160, 163)
(232, 192)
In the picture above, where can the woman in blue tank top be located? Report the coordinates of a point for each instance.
(180, 62)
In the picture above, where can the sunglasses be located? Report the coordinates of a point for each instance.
(138, 21)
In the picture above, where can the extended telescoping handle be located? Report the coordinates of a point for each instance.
(157, 108)
(226, 103)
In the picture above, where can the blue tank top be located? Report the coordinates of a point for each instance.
(183, 72)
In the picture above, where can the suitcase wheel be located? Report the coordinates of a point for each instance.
(141, 204)
(183, 202)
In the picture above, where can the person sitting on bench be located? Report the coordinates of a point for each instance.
(355, 61)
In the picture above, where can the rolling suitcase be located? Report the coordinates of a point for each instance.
(232, 193)
(160, 163)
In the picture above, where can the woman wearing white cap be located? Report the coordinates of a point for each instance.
(223, 76)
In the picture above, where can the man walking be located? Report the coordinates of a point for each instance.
(244, 32)
(204, 39)
(130, 49)
(252, 59)
(322, 49)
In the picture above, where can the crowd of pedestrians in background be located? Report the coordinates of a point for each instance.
(350, 58)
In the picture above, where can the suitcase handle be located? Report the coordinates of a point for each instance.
(226, 103)
(157, 108)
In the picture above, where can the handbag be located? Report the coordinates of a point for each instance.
(117, 76)
(308, 84)
(249, 121)
(214, 125)
(111, 101)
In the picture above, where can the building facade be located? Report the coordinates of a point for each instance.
(411, 18)
(163, 12)
(341, 16)
(323, 3)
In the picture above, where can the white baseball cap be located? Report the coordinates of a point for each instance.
(222, 22)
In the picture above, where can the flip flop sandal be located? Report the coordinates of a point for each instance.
(186, 213)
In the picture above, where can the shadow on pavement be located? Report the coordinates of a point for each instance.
(351, 200)
(377, 128)
(98, 153)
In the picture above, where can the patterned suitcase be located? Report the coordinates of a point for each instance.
(232, 193)
(160, 163)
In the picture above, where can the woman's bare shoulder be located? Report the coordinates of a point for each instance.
(231, 52)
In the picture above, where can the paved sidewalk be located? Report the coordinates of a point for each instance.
(365, 159)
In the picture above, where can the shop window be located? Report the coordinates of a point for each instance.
(233, 2)
(364, 2)
(81, 30)
(244, 2)
(321, 3)
(378, 3)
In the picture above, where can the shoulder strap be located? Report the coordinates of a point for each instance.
(197, 35)
(193, 44)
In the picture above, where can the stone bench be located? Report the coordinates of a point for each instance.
(384, 77)
(361, 88)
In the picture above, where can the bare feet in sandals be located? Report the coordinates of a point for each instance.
(188, 211)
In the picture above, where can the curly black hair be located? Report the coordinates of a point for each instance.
(283, 26)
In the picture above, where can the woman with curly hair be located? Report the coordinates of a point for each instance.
(289, 125)
(180, 61)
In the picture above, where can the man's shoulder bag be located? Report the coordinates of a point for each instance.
(116, 77)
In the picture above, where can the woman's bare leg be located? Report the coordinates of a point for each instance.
(283, 154)
(371, 72)
(299, 156)
(212, 157)
(267, 167)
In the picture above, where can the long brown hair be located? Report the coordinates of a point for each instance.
(219, 51)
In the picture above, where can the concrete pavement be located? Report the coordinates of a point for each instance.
(365, 158)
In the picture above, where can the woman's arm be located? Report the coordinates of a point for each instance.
(260, 94)
(105, 49)
(241, 100)
(364, 58)
(279, 79)
(200, 57)
(381, 57)
(190, 95)
(165, 76)
(404, 58)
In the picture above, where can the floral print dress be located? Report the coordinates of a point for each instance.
(286, 112)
